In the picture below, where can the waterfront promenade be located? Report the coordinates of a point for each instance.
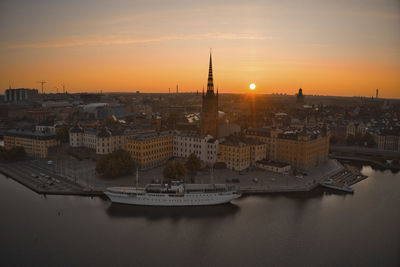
(79, 177)
(42, 180)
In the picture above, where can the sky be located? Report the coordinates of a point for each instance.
(326, 47)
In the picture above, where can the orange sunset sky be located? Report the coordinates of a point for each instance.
(327, 47)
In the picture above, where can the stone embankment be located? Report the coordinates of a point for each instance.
(47, 180)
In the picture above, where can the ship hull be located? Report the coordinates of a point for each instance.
(167, 200)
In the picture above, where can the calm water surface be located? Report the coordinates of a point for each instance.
(299, 229)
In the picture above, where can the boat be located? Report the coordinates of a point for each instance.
(329, 183)
(174, 193)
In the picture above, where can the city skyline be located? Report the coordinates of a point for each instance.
(327, 48)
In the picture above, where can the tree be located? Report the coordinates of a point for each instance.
(14, 154)
(169, 172)
(193, 164)
(174, 170)
(62, 134)
(180, 169)
(116, 164)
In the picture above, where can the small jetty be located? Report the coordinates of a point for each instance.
(348, 177)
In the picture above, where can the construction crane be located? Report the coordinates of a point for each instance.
(42, 82)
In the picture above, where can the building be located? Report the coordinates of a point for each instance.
(205, 148)
(35, 143)
(117, 110)
(240, 153)
(102, 139)
(19, 95)
(300, 97)
(228, 129)
(209, 109)
(267, 135)
(151, 149)
(39, 114)
(388, 139)
(272, 166)
(48, 126)
(354, 128)
(303, 149)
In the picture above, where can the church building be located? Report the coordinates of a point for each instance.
(209, 110)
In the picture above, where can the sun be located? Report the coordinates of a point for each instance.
(252, 86)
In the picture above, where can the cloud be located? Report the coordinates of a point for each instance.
(119, 40)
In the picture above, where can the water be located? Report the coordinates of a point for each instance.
(299, 229)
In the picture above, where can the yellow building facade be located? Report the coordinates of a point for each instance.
(302, 149)
(150, 150)
(303, 152)
(36, 144)
(241, 154)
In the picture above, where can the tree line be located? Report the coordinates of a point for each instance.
(120, 163)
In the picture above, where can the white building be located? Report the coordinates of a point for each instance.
(205, 148)
(354, 128)
(102, 140)
(277, 167)
(48, 127)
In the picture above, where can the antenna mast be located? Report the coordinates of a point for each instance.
(42, 83)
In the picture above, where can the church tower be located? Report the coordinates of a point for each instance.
(209, 109)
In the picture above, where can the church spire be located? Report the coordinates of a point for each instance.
(210, 83)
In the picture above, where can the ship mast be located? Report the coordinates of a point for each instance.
(212, 176)
(137, 177)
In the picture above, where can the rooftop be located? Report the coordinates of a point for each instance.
(31, 134)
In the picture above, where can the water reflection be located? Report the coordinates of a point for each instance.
(156, 213)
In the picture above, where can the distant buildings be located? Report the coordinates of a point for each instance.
(19, 95)
(35, 143)
(151, 149)
(300, 97)
(388, 139)
(209, 110)
(354, 128)
(48, 127)
(104, 110)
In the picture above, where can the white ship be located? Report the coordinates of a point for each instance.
(329, 183)
(174, 194)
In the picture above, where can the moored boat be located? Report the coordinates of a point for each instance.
(329, 183)
(174, 194)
